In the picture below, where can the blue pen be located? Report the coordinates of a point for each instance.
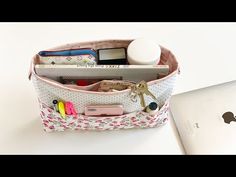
(50, 53)
(72, 52)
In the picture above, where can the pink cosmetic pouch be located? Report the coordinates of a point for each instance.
(82, 96)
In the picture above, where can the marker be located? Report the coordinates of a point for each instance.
(70, 110)
(61, 108)
(73, 110)
(55, 107)
(67, 108)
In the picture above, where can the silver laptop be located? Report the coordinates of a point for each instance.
(206, 119)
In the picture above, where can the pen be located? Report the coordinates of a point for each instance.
(72, 52)
(55, 107)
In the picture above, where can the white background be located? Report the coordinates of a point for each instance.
(206, 53)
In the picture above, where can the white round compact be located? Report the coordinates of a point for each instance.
(143, 51)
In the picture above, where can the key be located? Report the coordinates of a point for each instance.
(143, 88)
(142, 101)
(134, 93)
(140, 89)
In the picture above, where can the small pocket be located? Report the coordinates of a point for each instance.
(52, 120)
(91, 87)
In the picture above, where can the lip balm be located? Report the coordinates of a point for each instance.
(143, 51)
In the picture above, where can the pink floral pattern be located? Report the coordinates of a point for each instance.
(52, 121)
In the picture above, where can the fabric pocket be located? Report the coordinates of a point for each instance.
(52, 120)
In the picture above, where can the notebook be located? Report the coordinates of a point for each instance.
(206, 119)
(126, 72)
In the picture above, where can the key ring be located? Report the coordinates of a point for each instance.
(133, 94)
(134, 98)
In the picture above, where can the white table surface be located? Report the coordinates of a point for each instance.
(205, 51)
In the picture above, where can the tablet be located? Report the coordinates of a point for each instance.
(206, 119)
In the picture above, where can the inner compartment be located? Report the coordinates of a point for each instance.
(166, 58)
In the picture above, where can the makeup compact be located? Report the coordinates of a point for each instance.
(112, 56)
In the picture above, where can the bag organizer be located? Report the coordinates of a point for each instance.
(133, 117)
